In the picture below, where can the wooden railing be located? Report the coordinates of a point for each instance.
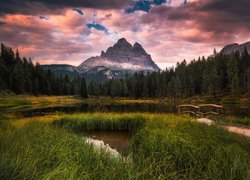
(197, 109)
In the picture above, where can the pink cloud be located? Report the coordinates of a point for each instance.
(169, 34)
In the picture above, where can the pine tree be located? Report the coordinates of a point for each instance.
(84, 91)
(18, 78)
(233, 75)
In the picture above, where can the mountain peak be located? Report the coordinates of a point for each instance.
(232, 48)
(123, 44)
(123, 57)
(138, 49)
(122, 40)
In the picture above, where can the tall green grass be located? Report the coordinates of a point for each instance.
(233, 120)
(101, 122)
(40, 151)
(163, 147)
(191, 151)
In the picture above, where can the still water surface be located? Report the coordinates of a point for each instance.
(229, 109)
(118, 140)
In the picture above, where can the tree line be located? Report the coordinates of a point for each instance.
(21, 76)
(217, 75)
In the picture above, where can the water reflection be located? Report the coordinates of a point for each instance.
(131, 107)
(121, 140)
(229, 109)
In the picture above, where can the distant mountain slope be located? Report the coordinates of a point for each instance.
(116, 62)
(62, 69)
(232, 48)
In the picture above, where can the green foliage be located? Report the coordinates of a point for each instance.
(242, 121)
(101, 122)
(217, 75)
(190, 151)
(23, 77)
(164, 147)
(43, 152)
(84, 91)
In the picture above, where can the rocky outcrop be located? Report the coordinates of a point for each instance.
(122, 56)
(118, 61)
(232, 48)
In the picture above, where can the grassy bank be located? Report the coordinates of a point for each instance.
(18, 102)
(10, 107)
(232, 120)
(164, 146)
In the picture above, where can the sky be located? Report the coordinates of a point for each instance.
(70, 31)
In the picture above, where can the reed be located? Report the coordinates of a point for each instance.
(101, 122)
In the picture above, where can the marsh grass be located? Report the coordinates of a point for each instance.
(231, 120)
(163, 147)
(101, 122)
(191, 150)
(40, 151)
(20, 102)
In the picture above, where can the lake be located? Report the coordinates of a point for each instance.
(229, 109)
(118, 140)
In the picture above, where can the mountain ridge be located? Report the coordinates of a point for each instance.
(122, 56)
(232, 48)
(122, 59)
(119, 60)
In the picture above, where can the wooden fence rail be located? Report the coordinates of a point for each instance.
(197, 109)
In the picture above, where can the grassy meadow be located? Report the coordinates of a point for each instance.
(164, 146)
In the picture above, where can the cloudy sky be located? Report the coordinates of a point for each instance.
(70, 31)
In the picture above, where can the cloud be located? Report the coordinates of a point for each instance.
(79, 11)
(169, 32)
(98, 27)
(35, 7)
(214, 19)
(147, 5)
(143, 5)
(2, 23)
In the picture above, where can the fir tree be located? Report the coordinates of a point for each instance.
(84, 92)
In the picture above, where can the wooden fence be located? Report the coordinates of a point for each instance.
(200, 110)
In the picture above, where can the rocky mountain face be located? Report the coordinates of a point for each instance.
(116, 62)
(232, 48)
(122, 56)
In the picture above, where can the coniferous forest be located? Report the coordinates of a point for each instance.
(21, 76)
(217, 75)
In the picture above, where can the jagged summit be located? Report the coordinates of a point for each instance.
(138, 49)
(232, 48)
(122, 56)
(117, 61)
(124, 48)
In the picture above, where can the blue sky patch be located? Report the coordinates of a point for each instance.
(143, 5)
(79, 11)
(98, 27)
